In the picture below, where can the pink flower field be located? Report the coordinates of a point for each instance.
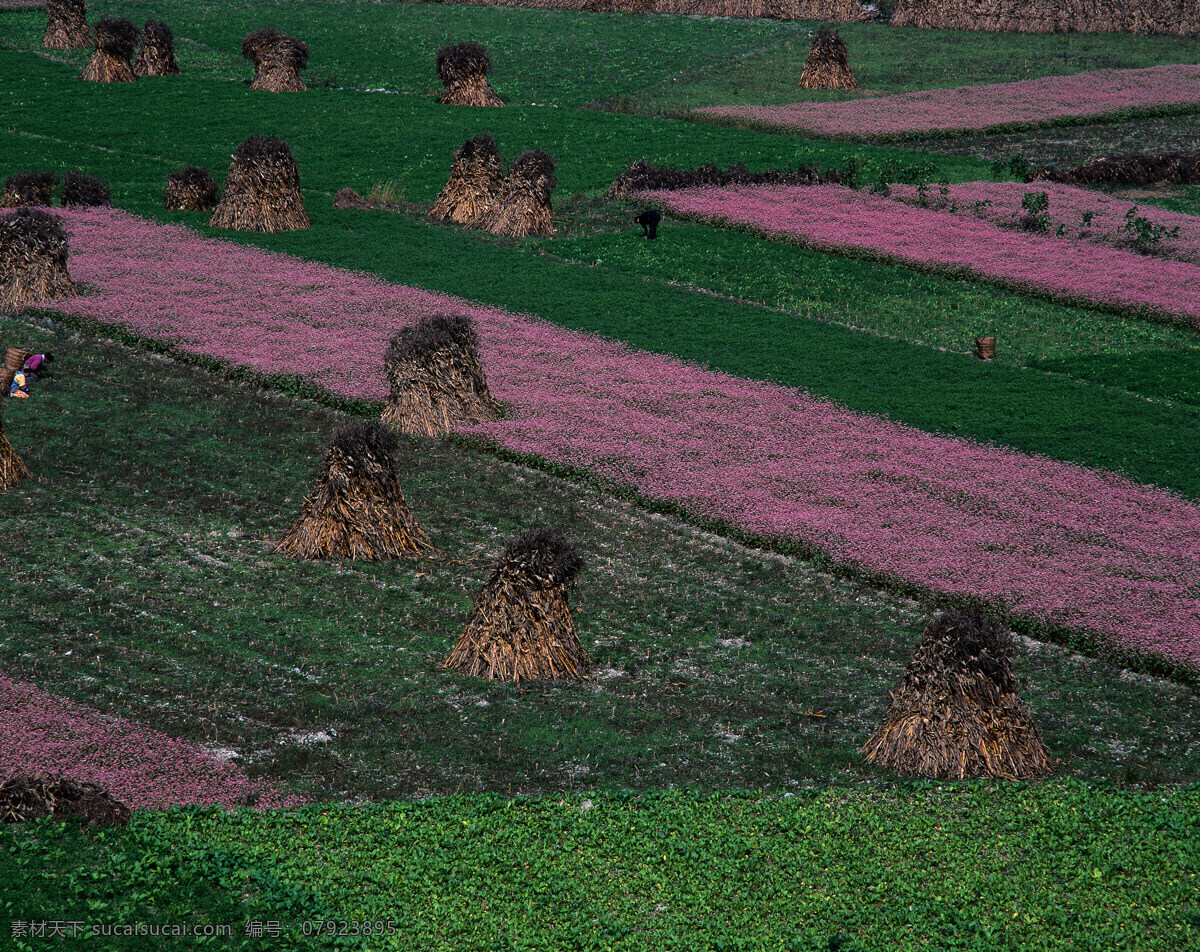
(832, 218)
(143, 768)
(1088, 550)
(1030, 102)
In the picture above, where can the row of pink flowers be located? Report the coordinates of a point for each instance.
(1085, 214)
(833, 218)
(1086, 549)
(1103, 92)
(141, 767)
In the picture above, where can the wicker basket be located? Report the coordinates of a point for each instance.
(14, 358)
(6, 379)
(985, 347)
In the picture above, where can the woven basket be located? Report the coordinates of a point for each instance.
(6, 379)
(985, 347)
(14, 358)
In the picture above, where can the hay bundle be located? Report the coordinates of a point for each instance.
(828, 65)
(262, 190)
(33, 259)
(278, 59)
(957, 713)
(463, 71)
(157, 55)
(348, 198)
(191, 189)
(521, 627)
(66, 25)
(522, 206)
(436, 377)
(12, 467)
(644, 176)
(26, 797)
(115, 40)
(476, 178)
(27, 188)
(357, 510)
(86, 191)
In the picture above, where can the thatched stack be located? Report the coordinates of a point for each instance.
(1052, 16)
(957, 713)
(33, 259)
(436, 377)
(262, 190)
(157, 54)
(191, 189)
(357, 510)
(522, 206)
(28, 188)
(521, 627)
(85, 191)
(1138, 168)
(115, 40)
(644, 177)
(463, 71)
(828, 65)
(66, 25)
(476, 177)
(278, 59)
(12, 467)
(25, 797)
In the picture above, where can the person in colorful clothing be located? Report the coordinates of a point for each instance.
(36, 367)
(18, 387)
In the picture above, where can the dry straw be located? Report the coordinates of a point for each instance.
(348, 198)
(27, 188)
(1052, 16)
(828, 65)
(646, 177)
(115, 40)
(33, 259)
(436, 378)
(522, 206)
(157, 54)
(839, 11)
(85, 191)
(357, 510)
(1137, 168)
(520, 627)
(463, 71)
(12, 467)
(262, 190)
(957, 713)
(191, 189)
(476, 177)
(66, 25)
(25, 797)
(278, 59)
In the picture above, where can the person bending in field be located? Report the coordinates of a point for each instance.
(37, 366)
(649, 220)
(19, 386)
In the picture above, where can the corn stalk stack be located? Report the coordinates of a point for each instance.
(278, 59)
(437, 380)
(957, 713)
(156, 57)
(463, 71)
(357, 510)
(85, 191)
(110, 63)
(522, 206)
(25, 797)
(191, 189)
(27, 189)
(262, 190)
(828, 65)
(520, 627)
(33, 260)
(476, 177)
(66, 25)
(12, 467)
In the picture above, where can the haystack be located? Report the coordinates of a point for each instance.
(33, 259)
(86, 191)
(476, 178)
(27, 188)
(463, 71)
(521, 627)
(25, 797)
(66, 25)
(436, 377)
(278, 59)
(262, 190)
(828, 65)
(957, 713)
(157, 54)
(357, 510)
(12, 467)
(191, 189)
(348, 198)
(115, 40)
(522, 206)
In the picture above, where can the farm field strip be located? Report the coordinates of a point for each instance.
(832, 218)
(1103, 93)
(1089, 551)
